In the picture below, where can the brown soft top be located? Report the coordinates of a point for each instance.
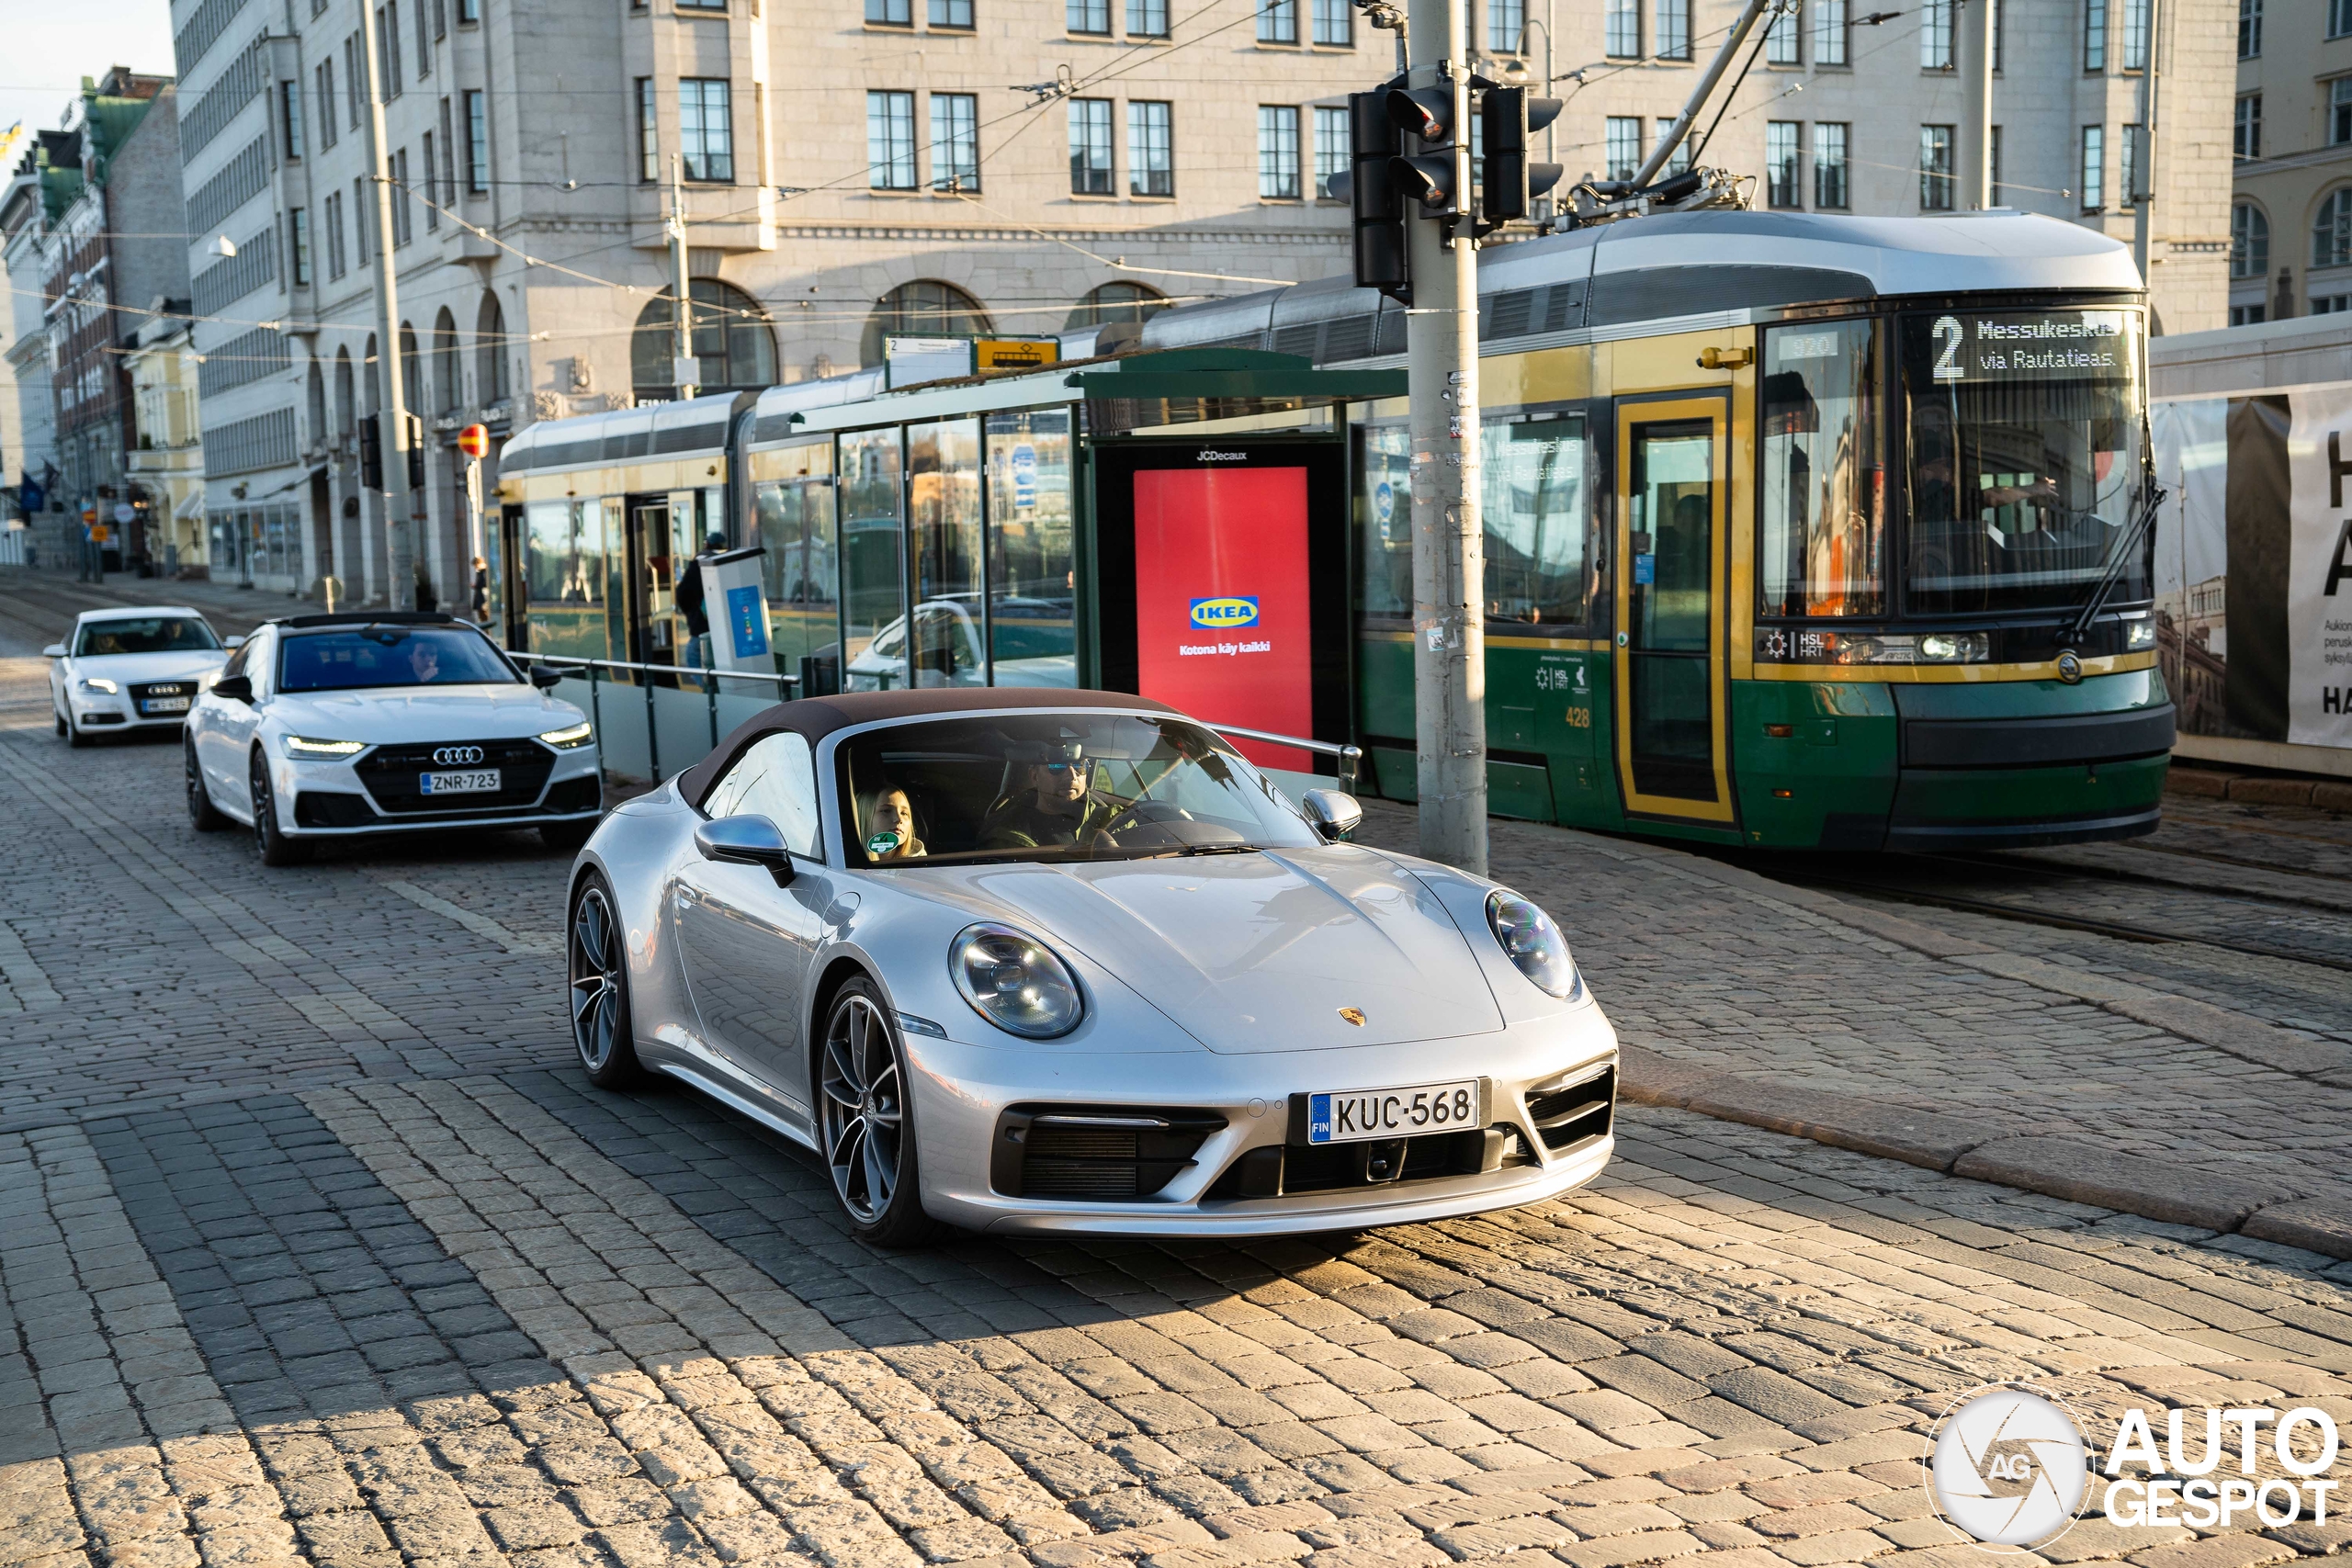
(816, 718)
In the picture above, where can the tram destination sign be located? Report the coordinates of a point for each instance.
(2028, 346)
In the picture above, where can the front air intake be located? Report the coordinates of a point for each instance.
(1567, 1113)
(1098, 1153)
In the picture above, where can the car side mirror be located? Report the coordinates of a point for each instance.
(1335, 816)
(232, 644)
(545, 676)
(54, 650)
(236, 688)
(746, 841)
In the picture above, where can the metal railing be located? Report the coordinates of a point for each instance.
(708, 679)
(1351, 757)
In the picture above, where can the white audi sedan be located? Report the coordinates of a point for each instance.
(130, 669)
(342, 725)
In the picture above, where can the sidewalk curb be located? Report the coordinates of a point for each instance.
(2056, 1168)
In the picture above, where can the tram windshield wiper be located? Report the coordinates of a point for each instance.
(2078, 629)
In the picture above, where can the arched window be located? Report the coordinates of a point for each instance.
(925, 308)
(314, 389)
(451, 390)
(490, 351)
(346, 410)
(1123, 301)
(734, 347)
(2249, 241)
(2331, 229)
(413, 392)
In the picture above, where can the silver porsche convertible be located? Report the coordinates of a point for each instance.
(1035, 960)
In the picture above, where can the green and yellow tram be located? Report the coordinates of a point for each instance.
(1791, 523)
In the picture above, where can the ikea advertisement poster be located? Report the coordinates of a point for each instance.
(1221, 600)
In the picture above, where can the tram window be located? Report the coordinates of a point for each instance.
(2028, 452)
(943, 527)
(1031, 568)
(1823, 515)
(1537, 519)
(793, 519)
(1385, 522)
(873, 563)
(565, 569)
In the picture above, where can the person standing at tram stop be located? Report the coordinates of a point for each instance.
(481, 602)
(693, 599)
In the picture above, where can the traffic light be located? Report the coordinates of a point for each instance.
(1431, 178)
(1379, 216)
(415, 453)
(1506, 117)
(371, 453)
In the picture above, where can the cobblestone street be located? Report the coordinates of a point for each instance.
(316, 1247)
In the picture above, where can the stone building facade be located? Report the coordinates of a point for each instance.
(2291, 223)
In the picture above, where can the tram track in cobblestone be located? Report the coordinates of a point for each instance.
(1912, 879)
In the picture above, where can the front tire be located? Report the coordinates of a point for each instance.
(867, 1122)
(202, 815)
(75, 735)
(602, 1030)
(275, 848)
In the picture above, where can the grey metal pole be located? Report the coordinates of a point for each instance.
(683, 368)
(1975, 63)
(2144, 201)
(400, 537)
(1449, 546)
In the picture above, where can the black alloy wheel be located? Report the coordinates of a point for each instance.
(60, 713)
(598, 970)
(202, 815)
(75, 734)
(275, 848)
(867, 1123)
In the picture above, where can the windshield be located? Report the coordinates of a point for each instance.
(1055, 787)
(144, 634)
(2027, 443)
(390, 655)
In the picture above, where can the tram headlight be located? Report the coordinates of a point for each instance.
(2139, 634)
(1535, 945)
(1954, 648)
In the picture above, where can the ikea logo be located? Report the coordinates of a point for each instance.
(1224, 614)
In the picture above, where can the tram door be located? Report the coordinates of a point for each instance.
(657, 632)
(1672, 474)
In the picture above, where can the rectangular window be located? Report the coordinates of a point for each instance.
(297, 246)
(2135, 35)
(449, 160)
(1089, 147)
(1935, 168)
(1935, 35)
(2246, 315)
(1821, 529)
(1623, 146)
(334, 234)
(2094, 35)
(2339, 17)
(2093, 165)
(440, 19)
(1277, 21)
(1031, 545)
(323, 89)
(2245, 131)
(1505, 21)
(954, 141)
(477, 141)
(361, 210)
(388, 47)
(1087, 15)
(2339, 111)
(951, 13)
(649, 131)
(1146, 19)
(424, 44)
(1782, 139)
(403, 215)
(354, 76)
(1993, 174)
(890, 141)
(1679, 160)
(890, 13)
(2127, 184)
(1335, 23)
(1994, 32)
(1623, 30)
(432, 212)
(469, 12)
(1334, 147)
(2249, 29)
(707, 129)
(1829, 140)
(289, 97)
(1151, 148)
(1671, 40)
(1537, 519)
(1829, 25)
(1277, 152)
(1780, 40)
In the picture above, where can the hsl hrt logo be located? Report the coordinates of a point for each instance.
(1227, 614)
(2008, 1468)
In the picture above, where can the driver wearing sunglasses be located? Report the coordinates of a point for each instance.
(1056, 804)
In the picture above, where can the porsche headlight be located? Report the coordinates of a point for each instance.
(301, 749)
(99, 684)
(571, 736)
(1014, 981)
(1535, 945)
